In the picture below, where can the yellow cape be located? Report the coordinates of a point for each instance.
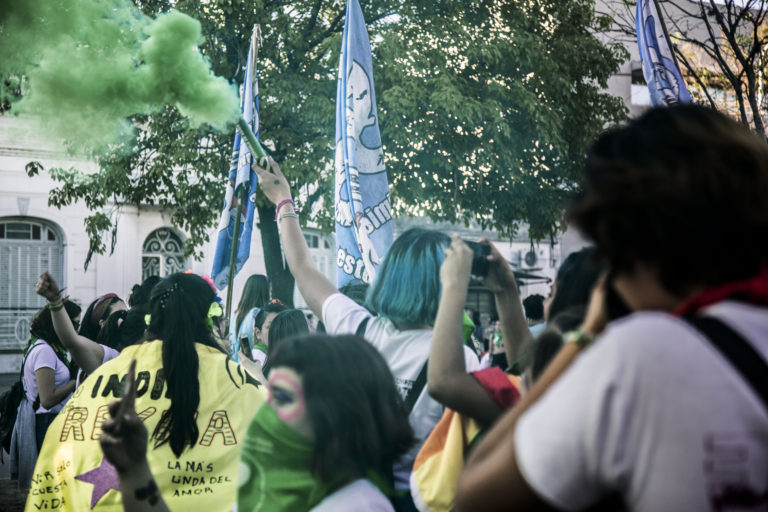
(71, 473)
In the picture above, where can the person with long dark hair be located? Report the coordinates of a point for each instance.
(141, 293)
(89, 350)
(255, 296)
(195, 401)
(97, 313)
(47, 371)
(325, 442)
(574, 282)
(287, 324)
(337, 425)
(48, 384)
(124, 328)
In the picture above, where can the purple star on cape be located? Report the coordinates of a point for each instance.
(103, 478)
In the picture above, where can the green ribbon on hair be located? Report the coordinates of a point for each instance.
(467, 328)
(213, 311)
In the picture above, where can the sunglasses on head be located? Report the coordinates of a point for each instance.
(109, 299)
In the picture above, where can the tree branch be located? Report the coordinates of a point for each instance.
(696, 77)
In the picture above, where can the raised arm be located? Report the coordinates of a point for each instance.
(124, 443)
(252, 366)
(86, 353)
(447, 379)
(313, 285)
(514, 327)
(491, 479)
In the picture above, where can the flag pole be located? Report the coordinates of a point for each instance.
(242, 125)
(257, 151)
(233, 255)
(666, 34)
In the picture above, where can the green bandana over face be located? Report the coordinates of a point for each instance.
(274, 472)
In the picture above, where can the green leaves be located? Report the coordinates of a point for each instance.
(33, 168)
(485, 109)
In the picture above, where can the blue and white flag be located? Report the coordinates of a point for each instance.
(240, 175)
(665, 83)
(363, 212)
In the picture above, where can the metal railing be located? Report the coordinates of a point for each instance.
(14, 327)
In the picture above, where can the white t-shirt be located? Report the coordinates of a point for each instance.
(405, 353)
(359, 496)
(654, 413)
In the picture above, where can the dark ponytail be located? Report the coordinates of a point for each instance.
(179, 307)
(255, 295)
(123, 328)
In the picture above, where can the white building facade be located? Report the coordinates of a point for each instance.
(35, 237)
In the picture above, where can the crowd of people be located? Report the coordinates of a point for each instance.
(639, 384)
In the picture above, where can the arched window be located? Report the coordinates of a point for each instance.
(28, 247)
(162, 254)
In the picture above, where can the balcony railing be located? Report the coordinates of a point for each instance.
(14, 328)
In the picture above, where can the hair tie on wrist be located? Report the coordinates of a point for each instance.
(281, 204)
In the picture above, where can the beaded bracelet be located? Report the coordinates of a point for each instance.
(288, 214)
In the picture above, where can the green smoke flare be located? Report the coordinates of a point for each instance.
(89, 64)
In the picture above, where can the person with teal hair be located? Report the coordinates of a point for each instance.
(405, 295)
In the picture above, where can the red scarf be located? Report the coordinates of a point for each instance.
(752, 291)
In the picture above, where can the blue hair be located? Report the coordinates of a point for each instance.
(407, 288)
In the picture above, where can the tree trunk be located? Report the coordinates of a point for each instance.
(757, 120)
(279, 276)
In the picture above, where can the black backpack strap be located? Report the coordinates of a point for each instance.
(738, 351)
(362, 327)
(416, 389)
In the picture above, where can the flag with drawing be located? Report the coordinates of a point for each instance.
(240, 175)
(362, 207)
(660, 70)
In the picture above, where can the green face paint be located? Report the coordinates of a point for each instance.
(92, 63)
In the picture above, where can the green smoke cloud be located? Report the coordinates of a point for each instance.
(90, 64)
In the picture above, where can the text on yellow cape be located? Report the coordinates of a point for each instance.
(71, 474)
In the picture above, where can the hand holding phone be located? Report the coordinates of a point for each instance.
(480, 253)
(245, 346)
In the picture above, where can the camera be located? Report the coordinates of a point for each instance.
(480, 253)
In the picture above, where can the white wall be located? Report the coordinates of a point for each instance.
(119, 271)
